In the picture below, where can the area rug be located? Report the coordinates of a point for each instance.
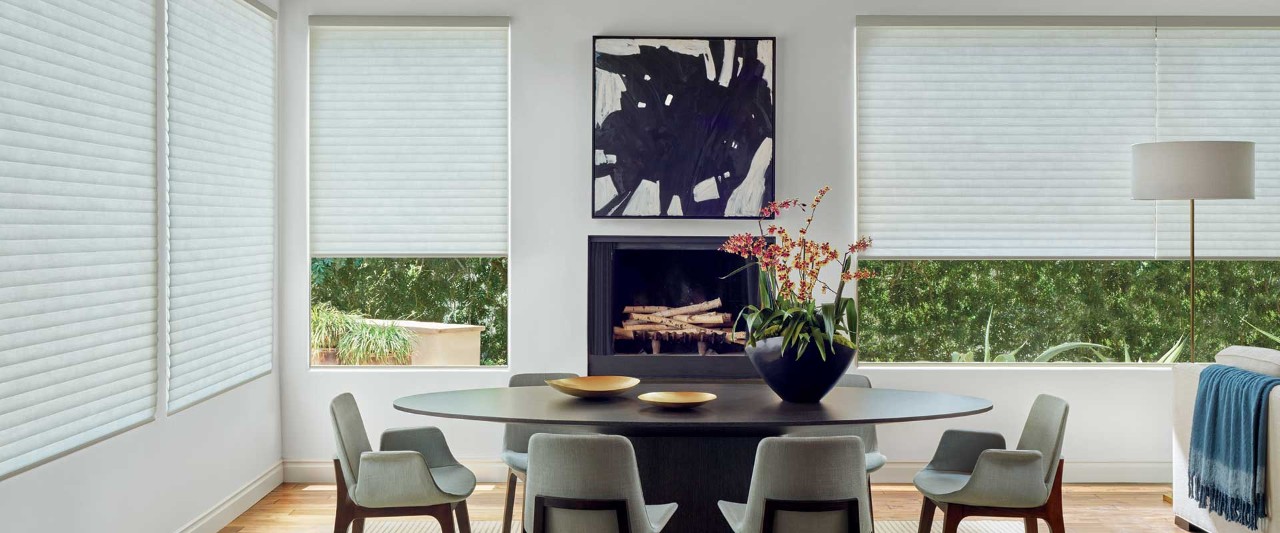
(430, 526)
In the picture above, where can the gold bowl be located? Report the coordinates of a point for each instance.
(676, 400)
(594, 386)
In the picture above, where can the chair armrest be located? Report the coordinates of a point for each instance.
(428, 441)
(396, 479)
(1008, 478)
(959, 449)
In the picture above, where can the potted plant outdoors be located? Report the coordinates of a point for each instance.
(799, 346)
(328, 326)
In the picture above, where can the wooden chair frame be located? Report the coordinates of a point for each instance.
(1051, 511)
(508, 507)
(773, 507)
(351, 515)
(542, 503)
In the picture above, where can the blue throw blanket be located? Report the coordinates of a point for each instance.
(1228, 470)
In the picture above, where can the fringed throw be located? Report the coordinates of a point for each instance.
(1228, 464)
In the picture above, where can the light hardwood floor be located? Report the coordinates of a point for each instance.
(298, 508)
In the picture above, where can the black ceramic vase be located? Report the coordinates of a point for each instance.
(803, 380)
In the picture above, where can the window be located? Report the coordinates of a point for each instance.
(221, 141)
(95, 238)
(78, 305)
(409, 191)
(993, 173)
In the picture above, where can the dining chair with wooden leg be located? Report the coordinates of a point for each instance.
(972, 474)
(587, 483)
(515, 442)
(414, 474)
(805, 485)
(867, 432)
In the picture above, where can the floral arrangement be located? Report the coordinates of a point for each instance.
(791, 270)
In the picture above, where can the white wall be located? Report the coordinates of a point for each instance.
(159, 477)
(1120, 425)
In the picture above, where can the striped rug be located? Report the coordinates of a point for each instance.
(430, 526)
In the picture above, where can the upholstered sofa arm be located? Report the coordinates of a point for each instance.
(959, 450)
(396, 479)
(428, 441)
(1008, 478)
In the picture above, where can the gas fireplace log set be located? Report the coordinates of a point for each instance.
(691, 323)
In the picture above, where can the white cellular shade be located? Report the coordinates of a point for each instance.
(408, 141)
(78, 298)
(1223, 84)
(1003, 141)
(221, 63)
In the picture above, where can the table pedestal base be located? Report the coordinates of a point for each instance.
(696, 472)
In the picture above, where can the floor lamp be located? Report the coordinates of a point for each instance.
(1193, 170)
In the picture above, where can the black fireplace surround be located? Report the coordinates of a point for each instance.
(667, 271)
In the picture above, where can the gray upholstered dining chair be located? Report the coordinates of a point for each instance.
(866, 432)
(413, 474)
(972, 474)
(805, 484)
(515, 442)
(587, 483)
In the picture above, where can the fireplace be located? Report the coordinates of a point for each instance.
(657, 307)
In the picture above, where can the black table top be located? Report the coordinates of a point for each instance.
(739, 405)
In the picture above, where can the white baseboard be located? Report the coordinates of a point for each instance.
(1074, 472)
(236, 504)
(310, 471)
(494, 471)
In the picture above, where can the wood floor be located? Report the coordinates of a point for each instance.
(297, 508)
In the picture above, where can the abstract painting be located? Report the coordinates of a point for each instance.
(683, 127)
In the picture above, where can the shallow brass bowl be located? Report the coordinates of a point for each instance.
(594, 386)
(676, 400)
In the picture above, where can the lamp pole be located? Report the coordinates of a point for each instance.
(1193, 280)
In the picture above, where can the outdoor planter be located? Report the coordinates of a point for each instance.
(437, 344)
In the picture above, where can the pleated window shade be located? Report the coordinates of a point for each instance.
(1003, 142)
(1223, 84)
(222, 146)
(408, 141)
(78, 261)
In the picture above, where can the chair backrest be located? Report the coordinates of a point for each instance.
(1046, 426)
(808, 469)
(584, 467)
(515, 437)
(867, 432)
(350, 437)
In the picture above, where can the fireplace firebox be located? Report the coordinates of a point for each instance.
(661, 307)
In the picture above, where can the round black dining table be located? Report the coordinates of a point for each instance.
(697, 456)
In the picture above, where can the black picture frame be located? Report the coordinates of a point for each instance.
(770, 191)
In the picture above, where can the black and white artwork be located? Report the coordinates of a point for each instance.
(683, 127)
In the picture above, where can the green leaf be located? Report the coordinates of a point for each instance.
(1269, 335)
(1174, 352)
(1065, 347)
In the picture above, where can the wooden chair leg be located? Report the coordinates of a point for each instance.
(1053, 507)
(444, 514)
(926, 516)
(357, 525)
(464, 518)
(345, 513)
(871, 507)
(1031, 525)
(509, 506)
(951, 518)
